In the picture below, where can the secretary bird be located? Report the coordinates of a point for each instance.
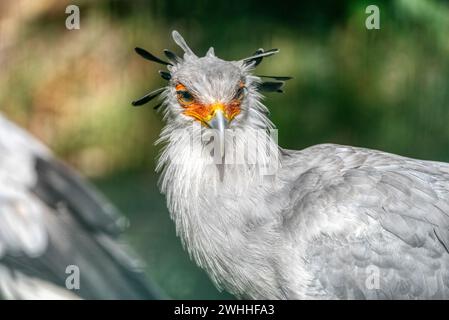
(54, 225)
(326, 222)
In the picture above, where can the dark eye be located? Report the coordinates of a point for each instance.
(240, 93)
(184, 97)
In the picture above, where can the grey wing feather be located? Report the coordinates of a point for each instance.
(50, 218)
(362, 214)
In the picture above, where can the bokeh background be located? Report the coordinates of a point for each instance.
(385, 89)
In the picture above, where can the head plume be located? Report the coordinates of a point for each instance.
(179, 40)
(173, 59)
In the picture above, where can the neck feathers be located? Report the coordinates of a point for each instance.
(193, 157)
(202, 188)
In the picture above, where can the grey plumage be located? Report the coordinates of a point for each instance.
(359, 211)
(329, 222)
(50, 218)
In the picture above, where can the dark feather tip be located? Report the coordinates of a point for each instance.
(171, 56)
(157, 106)
(148, 97)
(149, 56)
(280, 78)
(257, 61)
(257, 57)
(165, 75)
(270, 86)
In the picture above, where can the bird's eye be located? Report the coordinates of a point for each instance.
(184, 97)
(240, 93)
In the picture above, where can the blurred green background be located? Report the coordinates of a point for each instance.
(385, 89)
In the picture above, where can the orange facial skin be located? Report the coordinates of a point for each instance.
(233, 109)
(180, 86)
(205, 112)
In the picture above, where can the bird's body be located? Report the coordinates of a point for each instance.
(326, 222)
(54, 225)
(334, 222)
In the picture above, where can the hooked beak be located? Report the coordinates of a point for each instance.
(220, 123)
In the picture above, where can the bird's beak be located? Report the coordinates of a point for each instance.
(219, 122)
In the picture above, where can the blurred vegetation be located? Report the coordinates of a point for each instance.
(385, 89)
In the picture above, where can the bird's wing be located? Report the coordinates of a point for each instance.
(369, 224)
(54, 226)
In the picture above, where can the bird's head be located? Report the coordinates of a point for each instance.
(208, 90)
(216, 93)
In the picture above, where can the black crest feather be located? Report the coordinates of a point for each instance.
(271, 86)
(165, 75)
(257, 57)
(280, 78)
(173, 57)
(158, 106)
(257, 61)
(148, 97)
(149, 56)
